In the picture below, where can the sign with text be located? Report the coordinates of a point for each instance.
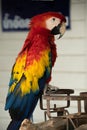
(16, 14)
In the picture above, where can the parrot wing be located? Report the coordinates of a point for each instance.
(14, 97)
(29, 74)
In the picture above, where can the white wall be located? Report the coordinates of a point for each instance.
(70, 70)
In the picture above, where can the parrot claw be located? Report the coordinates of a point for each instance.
(49, 89)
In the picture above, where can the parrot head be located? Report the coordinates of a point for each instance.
(53, 21)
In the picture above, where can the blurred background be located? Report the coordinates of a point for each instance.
(70, 70)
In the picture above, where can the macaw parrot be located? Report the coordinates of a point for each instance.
(33, 66)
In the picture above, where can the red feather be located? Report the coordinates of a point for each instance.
(39, 20)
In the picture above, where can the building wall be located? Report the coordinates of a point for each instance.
(70, 70)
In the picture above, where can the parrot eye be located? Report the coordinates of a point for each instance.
(53, 19)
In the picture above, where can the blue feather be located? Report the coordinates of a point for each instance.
(21, 107)
(14, 125)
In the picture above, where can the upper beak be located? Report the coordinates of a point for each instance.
(62, 29)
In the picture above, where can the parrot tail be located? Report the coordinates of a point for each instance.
(14, 125)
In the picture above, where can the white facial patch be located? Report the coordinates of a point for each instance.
(52, 22)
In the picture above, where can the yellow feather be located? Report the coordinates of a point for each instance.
(32, 72)
(12, 87)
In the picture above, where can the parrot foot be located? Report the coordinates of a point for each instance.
(25, 124)
(50, 89)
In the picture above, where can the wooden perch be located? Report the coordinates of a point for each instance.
(71, 122)
(52, 124)
(82, 127)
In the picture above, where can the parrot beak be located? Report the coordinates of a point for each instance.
(59, 29)
(60, 36)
